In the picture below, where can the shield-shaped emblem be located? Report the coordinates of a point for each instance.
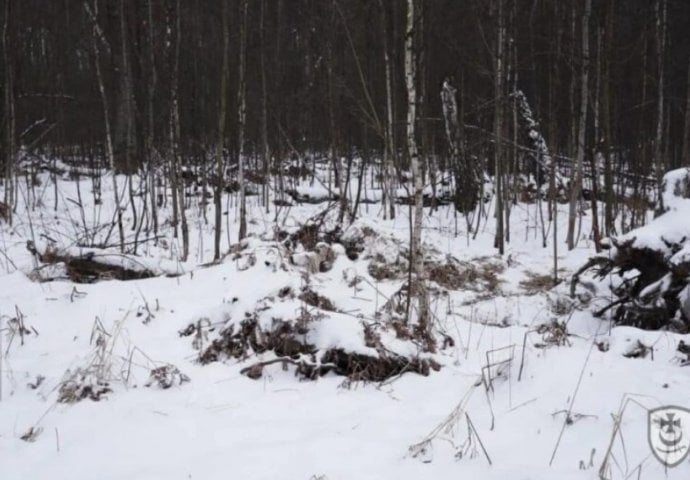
(669, 434)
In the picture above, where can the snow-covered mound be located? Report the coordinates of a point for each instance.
(652, 264)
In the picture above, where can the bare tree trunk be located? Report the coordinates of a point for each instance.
(576, 187)
(498, 129)
(596, 151)
(127, 109)
(241, 121)
(110, 155)
(389, 149)
(660, 163)
(175, 136)
(264, 111)
(341, 176)
(150, 150)
(417, 257)
(686, 132)
(10, 125)
(222, 114)
(609, 227)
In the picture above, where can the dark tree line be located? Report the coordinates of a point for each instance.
(180, 83)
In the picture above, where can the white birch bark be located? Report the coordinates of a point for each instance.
(417, 257)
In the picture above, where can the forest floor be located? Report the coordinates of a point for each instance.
(530, 388)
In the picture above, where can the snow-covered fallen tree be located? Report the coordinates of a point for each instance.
(649, 267)
(88, 265)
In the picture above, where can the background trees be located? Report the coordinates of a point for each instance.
(305, 77)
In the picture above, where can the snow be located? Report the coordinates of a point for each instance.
(222, 424)
(673, 222)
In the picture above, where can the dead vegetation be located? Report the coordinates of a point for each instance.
(291, 341)
(479, 275)
(166, 376)
(310, 297)
(83, 384)
(537, 282)
(553, 334)
(87, 268)
(288, 341)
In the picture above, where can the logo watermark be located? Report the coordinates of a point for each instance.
(669, 434)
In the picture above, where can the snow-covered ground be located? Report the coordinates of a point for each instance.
(518, 396)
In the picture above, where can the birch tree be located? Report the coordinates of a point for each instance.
(418, 286)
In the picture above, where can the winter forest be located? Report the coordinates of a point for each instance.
(344, 239)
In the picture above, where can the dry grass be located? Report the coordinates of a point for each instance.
(537, 282)
(310, 297)
(482, 274)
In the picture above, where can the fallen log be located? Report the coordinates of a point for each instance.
(92, 265)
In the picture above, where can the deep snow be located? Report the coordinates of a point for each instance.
(224, 425)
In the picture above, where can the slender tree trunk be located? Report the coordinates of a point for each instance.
(660, 162)
(417, 257)
(576, 187)
(609, 227)
(498, 128)
(264, 110)
(150, 138)
(10, 125)
(596, 151)
(389, 148)
(685, 160)
(127, 108)
(222, 115)
(175, 136)
(241, 120)
(110, 155)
